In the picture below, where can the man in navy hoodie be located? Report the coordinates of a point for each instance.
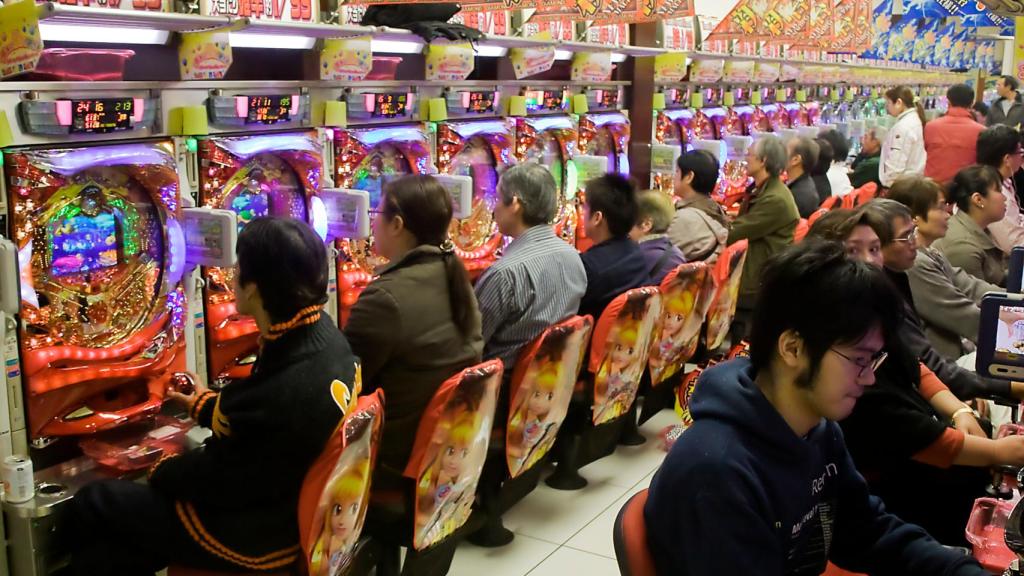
(761, 483)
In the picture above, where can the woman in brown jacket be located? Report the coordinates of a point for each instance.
(418, 323)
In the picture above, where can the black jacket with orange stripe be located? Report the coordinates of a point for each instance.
(237, 495)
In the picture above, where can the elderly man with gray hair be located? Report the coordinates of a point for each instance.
(766, 221)
(865, 166)
(539, 279)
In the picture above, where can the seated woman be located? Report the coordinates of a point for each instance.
(418, 323)
(232, 504)
(948, 299)
(654, 214)
(919, 448)
(977, 193)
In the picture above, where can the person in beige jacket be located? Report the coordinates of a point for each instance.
(947, 298)
(699, 228)
(968, 244)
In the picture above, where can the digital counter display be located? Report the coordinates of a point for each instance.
(610, 98)
(99, 116)
(481, 102)
(269, 109)
(389, 105)
(545, 100)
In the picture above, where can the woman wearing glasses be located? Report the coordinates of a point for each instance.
(947, 298)
(919, 448)
(977, 193)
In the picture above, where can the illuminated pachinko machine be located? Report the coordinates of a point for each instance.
(101, 257)
(383, 145)
(673, 135)
(476, 144)
(272, 174)
(548, 136)
(778, 115)
(603, 145)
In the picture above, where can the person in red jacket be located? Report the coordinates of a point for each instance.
(951, 141)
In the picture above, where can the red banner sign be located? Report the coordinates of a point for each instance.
(773, 20)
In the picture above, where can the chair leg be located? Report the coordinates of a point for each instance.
(390, 563)
(567, 473)
(631, 435)
(492, 533)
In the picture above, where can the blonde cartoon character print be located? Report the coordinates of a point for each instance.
(619, 376)
(680, 304)
(346, 504)
(442, 494)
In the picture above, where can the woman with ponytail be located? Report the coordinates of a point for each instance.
(903, 151)
(418, 323)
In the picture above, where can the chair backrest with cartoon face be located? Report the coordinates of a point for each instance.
(449, 451)
(686, 295)
(542, 386)
(619, 351)
(727, 272)
(864, 194)
(336, 491)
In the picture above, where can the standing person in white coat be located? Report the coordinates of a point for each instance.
(903, 151)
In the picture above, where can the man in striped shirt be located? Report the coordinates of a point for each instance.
(540, 279)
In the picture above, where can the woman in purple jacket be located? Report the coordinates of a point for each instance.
(655, 216)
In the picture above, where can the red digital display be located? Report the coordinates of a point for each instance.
(544, 100)
(389, 105)
(481, 102)
(609, 98)
(99, 116)
(269, 109)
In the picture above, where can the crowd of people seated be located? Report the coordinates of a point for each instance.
(852, 387)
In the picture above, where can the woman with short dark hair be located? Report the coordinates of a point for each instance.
(976, 191)
(231, 505)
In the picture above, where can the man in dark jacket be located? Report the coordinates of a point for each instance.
(655, 216)
(865, 166)
(614, 264)
(803, 156)
(232, 504)
(762, 483)
(1007, 109)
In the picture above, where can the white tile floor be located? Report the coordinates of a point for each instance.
(560, 533)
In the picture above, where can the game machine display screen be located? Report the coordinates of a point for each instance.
(799, 113)
(101, 257)
(603, 146)
(367, 158)
(551, 141)
(673, 127)
(778, 115)
(263, 164)
(482, 150)
(703, 119)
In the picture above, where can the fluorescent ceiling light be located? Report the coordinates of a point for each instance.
(286, 41)
(618, 57)
(101, 34)
(491, 51)
(395, 46)
(563, 55)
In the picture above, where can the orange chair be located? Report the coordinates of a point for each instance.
(424, 507)
(864, 194)
(605, 398)
(349, 453)
(728, 272)
(801, 230)
(686, 295)
(831, 203)
(630, 538)
(816, 214)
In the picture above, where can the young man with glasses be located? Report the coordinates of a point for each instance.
(762, 483)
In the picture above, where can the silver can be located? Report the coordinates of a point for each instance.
(19, 482)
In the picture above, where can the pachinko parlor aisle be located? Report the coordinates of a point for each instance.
(315, 288)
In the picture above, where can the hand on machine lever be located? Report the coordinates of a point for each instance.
(185, 388)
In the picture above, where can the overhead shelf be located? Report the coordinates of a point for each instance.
(275, 28)
(111, 18)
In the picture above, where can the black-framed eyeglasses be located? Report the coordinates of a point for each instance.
(871, 363)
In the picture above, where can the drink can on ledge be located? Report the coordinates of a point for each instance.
(19, 483)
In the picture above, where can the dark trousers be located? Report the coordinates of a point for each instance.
(121, 528)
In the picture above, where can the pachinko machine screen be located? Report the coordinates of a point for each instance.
(101, 258)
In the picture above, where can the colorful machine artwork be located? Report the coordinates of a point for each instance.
(253, 176)
(481, 150)
(551, 141)
(101, 259)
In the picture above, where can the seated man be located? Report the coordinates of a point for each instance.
(655, 214)
(896, 231)
(614, 264)
(232, 504)
(699, 227)
(865, 165)
(539, 279)
(802, 158)
(762, 483)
